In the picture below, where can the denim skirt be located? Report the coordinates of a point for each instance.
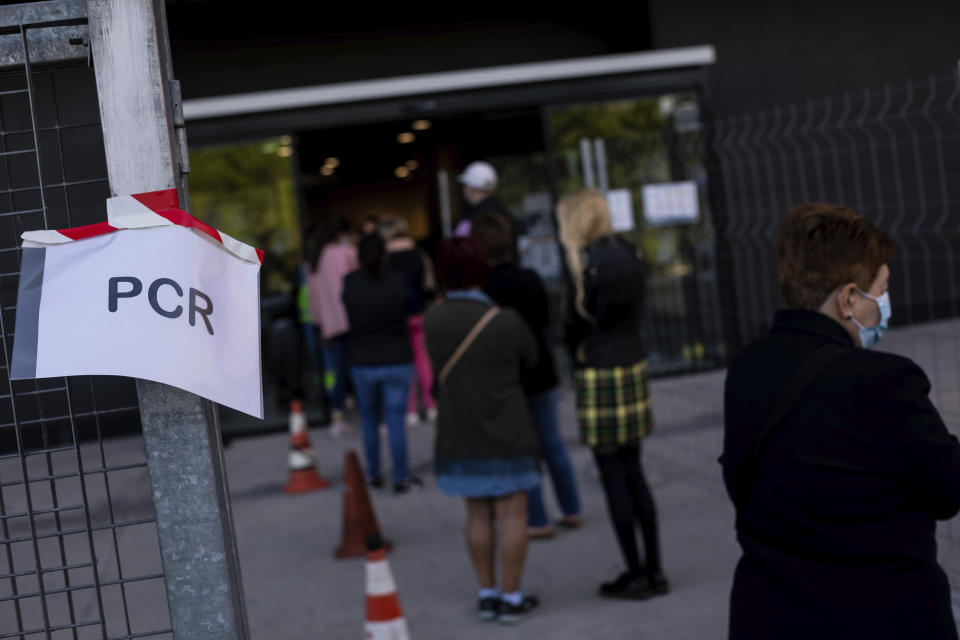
(487, 477)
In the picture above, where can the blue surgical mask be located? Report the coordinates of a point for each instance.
(870, 336)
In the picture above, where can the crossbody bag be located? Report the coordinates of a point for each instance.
(466, 342)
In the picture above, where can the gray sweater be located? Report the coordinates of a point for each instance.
(482, 406)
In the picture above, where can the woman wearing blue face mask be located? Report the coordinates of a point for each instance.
(837, 463)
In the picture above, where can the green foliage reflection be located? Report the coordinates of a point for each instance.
(247, 190)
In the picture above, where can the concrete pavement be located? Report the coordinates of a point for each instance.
(295, 588)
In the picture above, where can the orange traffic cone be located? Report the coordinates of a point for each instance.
(385, 619)
(359, 520)
(303, 464)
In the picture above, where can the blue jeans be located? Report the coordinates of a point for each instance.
(335, 359)
(383, 387)
(543, 411)
(309, 334)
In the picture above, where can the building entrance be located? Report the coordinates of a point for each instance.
(285, 192)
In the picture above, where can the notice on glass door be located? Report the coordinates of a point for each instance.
(621, 209)
(671, 203)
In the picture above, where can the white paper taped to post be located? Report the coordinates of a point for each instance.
(152, 293)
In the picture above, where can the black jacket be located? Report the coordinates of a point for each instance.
(409, 264)
(838, 530)
(492, 204)
(523, 290)
(614, 282)
(377, 309)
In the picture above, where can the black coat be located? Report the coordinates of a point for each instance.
(523, 290)
(377, 309)
(614, 284)
(838, 531)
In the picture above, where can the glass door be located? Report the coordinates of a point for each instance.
(248, 190)
(645, 154)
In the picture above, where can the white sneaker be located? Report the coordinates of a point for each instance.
(432, 414)
(412, 419)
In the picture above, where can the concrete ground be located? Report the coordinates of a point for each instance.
(295, 588)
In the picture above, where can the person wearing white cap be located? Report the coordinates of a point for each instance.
(479, 182)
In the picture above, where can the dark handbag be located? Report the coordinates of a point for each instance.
(815, 363)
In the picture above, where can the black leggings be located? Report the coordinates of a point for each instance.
(629, 497)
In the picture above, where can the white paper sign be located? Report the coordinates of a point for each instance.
(542, 254)
(671, 203)
(621, 209)
(167, 304)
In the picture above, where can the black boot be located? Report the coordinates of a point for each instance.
(635, 586)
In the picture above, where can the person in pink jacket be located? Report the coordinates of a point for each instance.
(336, 258)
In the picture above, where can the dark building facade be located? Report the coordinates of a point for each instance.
(760, 105)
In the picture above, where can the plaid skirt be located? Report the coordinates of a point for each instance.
(613, 406)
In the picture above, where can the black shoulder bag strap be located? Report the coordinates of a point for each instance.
(815, 363)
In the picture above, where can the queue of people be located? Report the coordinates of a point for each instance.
(464, 344)
(837, 464)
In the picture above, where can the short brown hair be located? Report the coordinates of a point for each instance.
(494, 231)
(822, 246)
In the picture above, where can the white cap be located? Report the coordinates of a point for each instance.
(479, 175)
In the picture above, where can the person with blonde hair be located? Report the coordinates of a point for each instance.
(613, 410)
(405, 258)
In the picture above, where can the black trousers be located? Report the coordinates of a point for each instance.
(629, 500)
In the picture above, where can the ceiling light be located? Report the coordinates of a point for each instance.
(326, 170)
(406, 137)
(401, 172)
(413, 165)
(333, 163)
(421, 125)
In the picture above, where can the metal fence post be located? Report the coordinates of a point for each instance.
(181, 431)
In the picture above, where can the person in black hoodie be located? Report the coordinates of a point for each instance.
(613, 406)
(511, 285)
(378, 350)
(836, 461)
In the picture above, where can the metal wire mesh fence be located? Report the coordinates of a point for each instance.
(883, 152)
(886, 153)
(78, 545)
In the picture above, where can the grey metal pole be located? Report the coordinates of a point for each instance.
(586, 163)
(446, 215)
(181, 431)
(600, 156)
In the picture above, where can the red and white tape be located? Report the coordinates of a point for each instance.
(142, 211)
